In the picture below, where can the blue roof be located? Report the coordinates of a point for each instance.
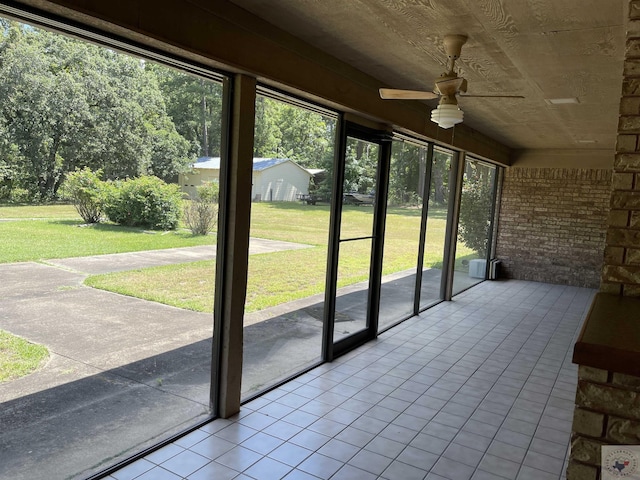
(258, 163)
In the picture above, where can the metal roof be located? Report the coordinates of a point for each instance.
(259, 164)
(207, 163)
(264, 163)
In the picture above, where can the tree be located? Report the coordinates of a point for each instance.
(304, 136)
(406, 179)
(267, 135)
(439, 193)
(475, 213)
(41, 111)
(67, 104)
(195, 107)
(361, 164)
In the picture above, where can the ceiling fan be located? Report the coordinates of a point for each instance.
(448, 87)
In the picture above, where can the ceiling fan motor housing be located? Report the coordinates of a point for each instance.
(448, 86)
(453, 45)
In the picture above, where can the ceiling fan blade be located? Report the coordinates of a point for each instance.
(393, 94)
(491, 96)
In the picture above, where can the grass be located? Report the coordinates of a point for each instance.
(281, 277)
(33, 240)
(19, 357)
(185, 285)
(41, 232)
(38, 211)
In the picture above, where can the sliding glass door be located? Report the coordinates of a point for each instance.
(353, 282)
(356, 238)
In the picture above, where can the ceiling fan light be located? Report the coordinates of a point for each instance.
(446, 116)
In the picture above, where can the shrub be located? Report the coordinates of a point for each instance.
(201, 214)
(5, 193)
(20, 195)
(145, 202)
(401, 197)
(209, 192)
(85, 190)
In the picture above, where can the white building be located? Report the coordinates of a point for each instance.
(274, 179)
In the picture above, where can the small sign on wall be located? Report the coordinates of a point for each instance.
(620, 461)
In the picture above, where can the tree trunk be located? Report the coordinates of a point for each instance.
(205, 137)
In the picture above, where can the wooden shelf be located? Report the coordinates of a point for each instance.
(610, 336)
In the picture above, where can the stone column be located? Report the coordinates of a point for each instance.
(621, 272)
(608, 414)
(608, 351)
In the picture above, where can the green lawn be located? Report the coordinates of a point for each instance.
(19, 357)
(280, 277)
(32, 233)
(56, 231)
(32, 240)
(38, 211)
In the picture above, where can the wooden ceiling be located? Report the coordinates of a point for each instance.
(542, 49)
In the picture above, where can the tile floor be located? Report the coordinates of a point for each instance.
(479, 388)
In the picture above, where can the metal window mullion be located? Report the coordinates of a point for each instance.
(333, 250)
(426, 192)
(234, 256)
(453, 213)
(221, 246)
(495, 208)
(377, 249)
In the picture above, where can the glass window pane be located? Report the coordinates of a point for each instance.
(436, 228)
(353, 288)
(292, 175)
(361, 166)
(120, 305)
(402, 232)
(476, 207)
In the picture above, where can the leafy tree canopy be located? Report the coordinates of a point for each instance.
(67, 104)
(475, 207)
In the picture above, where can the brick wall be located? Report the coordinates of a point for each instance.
(552, 224)
(607, 413)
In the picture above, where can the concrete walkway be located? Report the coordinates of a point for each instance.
(121, 369)
(117, 262)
